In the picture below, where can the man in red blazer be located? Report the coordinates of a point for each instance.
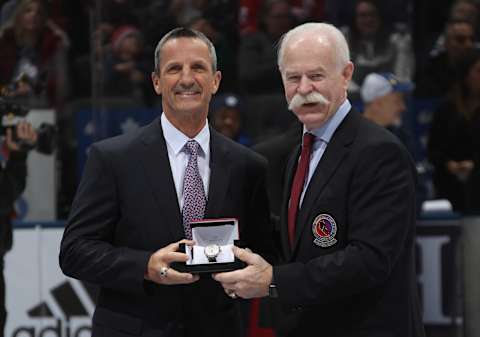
(348, 215)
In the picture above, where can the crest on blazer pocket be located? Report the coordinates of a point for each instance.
(324, 229)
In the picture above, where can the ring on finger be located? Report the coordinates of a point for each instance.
(232, 294)
(163, 271)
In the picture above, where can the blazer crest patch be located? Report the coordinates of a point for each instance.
(324, 229)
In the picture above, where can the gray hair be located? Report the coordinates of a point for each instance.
(185, 33)
(333, 34)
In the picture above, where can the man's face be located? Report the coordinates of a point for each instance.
(279, 20)
(31, 17)
(227, 122)
(459, 39)
(309, 68)
(129, 48)
(366, 17)
(186, 80)
(390, 108)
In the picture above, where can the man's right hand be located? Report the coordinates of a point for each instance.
(25, 133)
(160, 261)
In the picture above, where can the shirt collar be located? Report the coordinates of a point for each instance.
(177, 139)
(325, 132)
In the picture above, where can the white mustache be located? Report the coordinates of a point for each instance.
(313, 97)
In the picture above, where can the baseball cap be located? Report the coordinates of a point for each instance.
(227, 100)
(378, 85)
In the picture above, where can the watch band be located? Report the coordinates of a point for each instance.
(272, 289)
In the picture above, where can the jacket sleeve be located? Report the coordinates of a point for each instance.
(87, 249)
(12, 180)
(260, 232)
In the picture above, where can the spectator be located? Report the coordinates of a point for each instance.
(375, 48)
(13, 175)
(383, 96)
(32, 48)
(454, 140)
(439, 74)
(225, 52)
(226, 117)
(258, 72)
(126, 66)
(461, 10)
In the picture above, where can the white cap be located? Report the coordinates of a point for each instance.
(378, 85)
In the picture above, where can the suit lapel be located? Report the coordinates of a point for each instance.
(154, 157)
(219, 175)
(290, 169)
(335, 152)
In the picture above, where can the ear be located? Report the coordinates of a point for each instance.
(347, 72)
(156, 83)
(216, 81)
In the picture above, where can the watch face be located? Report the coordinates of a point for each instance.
(212, 250)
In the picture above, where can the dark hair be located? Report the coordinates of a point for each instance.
(381, 39)
(182, 32)
(265, 9)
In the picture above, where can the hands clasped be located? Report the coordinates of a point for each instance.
(159, 270)
(249, 282)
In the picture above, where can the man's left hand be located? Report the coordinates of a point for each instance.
(249, 282)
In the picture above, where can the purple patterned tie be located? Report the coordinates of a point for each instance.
(193, 193)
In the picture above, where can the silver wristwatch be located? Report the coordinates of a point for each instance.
(212, 251)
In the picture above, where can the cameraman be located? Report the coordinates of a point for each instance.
(13, 174)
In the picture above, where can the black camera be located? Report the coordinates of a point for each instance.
(11, 114)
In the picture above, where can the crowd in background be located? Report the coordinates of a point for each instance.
(56, 53)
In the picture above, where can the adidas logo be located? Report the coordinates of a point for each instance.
(71, 303)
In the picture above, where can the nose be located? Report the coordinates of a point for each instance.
(305, 87)
(186, 78)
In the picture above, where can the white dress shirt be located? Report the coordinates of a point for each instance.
(323, 135)
(178, 156)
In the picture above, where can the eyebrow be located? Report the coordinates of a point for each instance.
(173, 63)
(311, 71)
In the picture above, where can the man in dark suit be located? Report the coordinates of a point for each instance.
(129, 214)
(348, 218)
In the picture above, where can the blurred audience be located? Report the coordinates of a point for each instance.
(13, 176)
(454, 139)
(226, 56)
(226, 117)
(7, 10)
(33, 52)
(436, 79)
(375, 47)
(384, 99)
(127, 67)
(258, 71)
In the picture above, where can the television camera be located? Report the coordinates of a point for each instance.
(12, 113)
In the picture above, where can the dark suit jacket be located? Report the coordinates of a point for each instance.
(126, 208)
(277, 151)
(365, 283)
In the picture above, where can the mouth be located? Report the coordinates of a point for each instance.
(308, 105)
(187, 94)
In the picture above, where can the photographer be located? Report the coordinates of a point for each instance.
(13, 174)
